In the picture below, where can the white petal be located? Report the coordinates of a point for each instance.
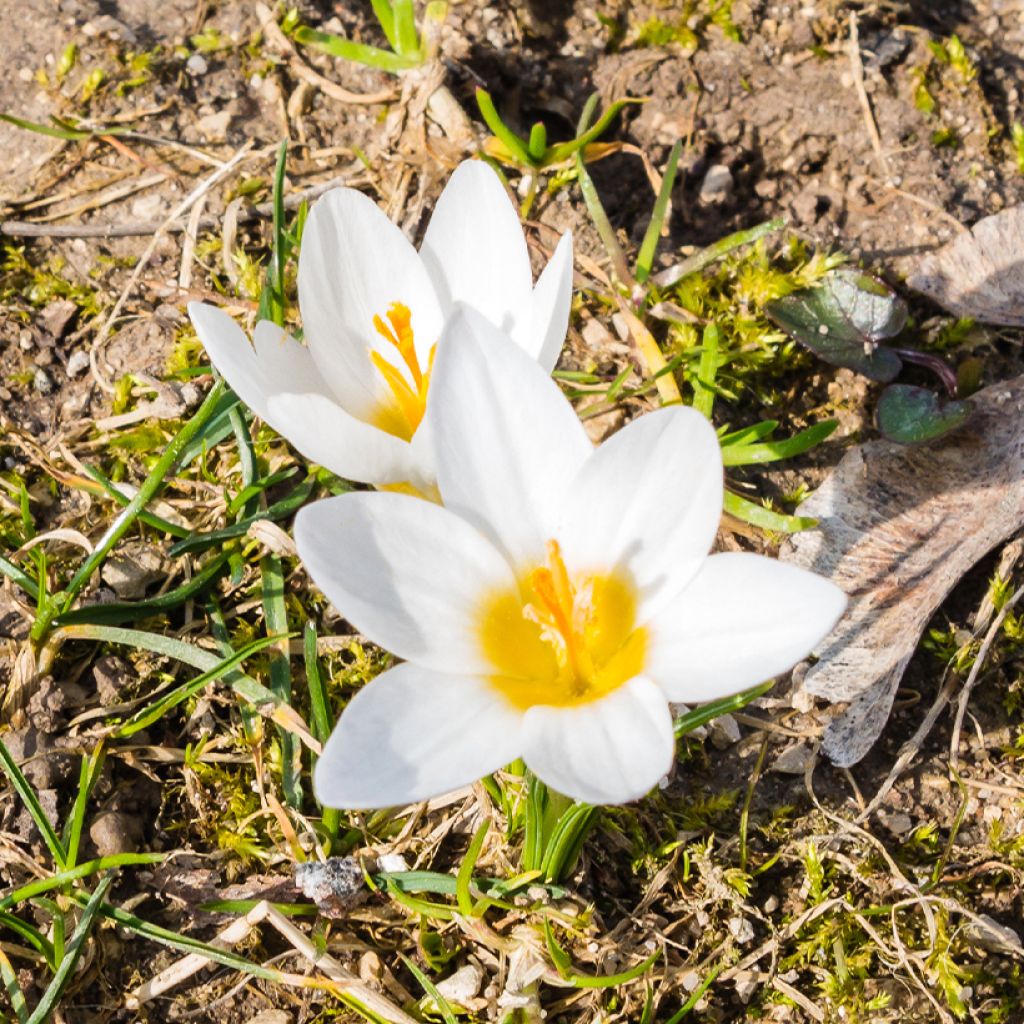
(409, 574)
(743, 619)
(279, 381)
(412, 734)
(354, 264)
(552, 299)
(605, 752)
(475, 251)
(648, 502)
(507, 442)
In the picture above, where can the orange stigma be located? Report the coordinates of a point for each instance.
(404, 414)
(562, 640)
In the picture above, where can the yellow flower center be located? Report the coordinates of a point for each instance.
(562, 641)
(408, 399)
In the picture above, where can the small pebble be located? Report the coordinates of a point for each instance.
(78, 363)
(717, 184)
(42, 382)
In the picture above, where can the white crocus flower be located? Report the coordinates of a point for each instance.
(556, 604)
(353, 397)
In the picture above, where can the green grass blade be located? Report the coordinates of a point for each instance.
(538, 142)
(515, 145)
(215, 430)
(714, 252)
(706, 712)
(245, 686)
(87, 776)
(14, 992)
(765, 518)
(149, 518)
(372, 56)
(61, 132)
(386, 18)
(773, 451)
(28, 796)
(83, 870)
(566, 840)
(564, 966)
(585, 135)
(155, 711)
(185, 943)
(279, 510)
(149, 489)
(275, 614)
(18, 576)
(321, 722)
(405, 30)
(443, 1007)
(53, 991)
(757, 432)
(533, 825)
(463, 896)
(35, 938)
(645, 258)
(707, 370)
(115, 612)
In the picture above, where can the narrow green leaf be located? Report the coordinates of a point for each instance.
(83, 870)
(28, 796)
(704, 713)
(585, 136)
(538, 142)
(185, 943)
(747, 435)
(360, 53)
(14, 991)
(707, 370)
(765, 518)
(74, 950)
(405, 30)
(149, 518)
(275, 614)
(279, 510)
(35, 938)
(464, 897)
(68, 134)
(87, 776)
(504, 134)
(197, 657)
(149, 489)
(386, 18)
(645, 258)
(430, 988)
(566, 841)
(716, 251)
(18, 576)
(773, 451)
(114, 612)
(153, 712)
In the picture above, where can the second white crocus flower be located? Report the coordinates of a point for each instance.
(354, 397)
(556, 604)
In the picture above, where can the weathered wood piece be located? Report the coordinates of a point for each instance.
(899, 526)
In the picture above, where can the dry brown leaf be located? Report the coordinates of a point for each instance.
(899, 526)
(980, 273)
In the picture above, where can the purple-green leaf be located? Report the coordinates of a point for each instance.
(843, 319)
(910, 415)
